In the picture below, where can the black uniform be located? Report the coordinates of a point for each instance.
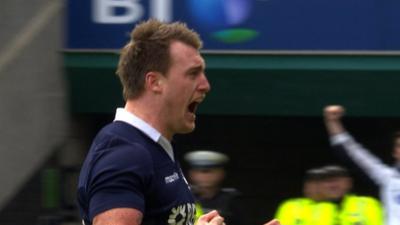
(228, 203)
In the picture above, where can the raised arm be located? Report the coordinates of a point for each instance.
(341, 139)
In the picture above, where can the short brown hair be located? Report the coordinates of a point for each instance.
(148, 50)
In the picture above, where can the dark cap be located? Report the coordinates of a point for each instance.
(206, 159)
(335, 171)
(314, 174)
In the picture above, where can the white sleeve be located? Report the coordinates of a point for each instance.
(372, 165)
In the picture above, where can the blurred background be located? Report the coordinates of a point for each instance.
(273, 65)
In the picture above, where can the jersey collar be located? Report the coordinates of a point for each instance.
(130, 118)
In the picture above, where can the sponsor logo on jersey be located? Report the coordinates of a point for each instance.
(172, 178)
(182, 214)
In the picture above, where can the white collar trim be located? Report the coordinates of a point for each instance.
(130, 118)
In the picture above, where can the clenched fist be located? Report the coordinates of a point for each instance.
(333, 112)
(211, 218)
(332, 119)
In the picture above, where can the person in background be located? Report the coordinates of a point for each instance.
(385, 176)
(206, 175)
(348, 208)
(331, 204)
(301, 210)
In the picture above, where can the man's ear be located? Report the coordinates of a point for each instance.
(154, 82)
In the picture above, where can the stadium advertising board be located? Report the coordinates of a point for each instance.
(259, 25)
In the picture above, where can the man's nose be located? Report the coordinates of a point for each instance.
(204, 85)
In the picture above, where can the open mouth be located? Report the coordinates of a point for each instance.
(193, 107)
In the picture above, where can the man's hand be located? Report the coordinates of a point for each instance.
(273, 222)
(332, 118)
(211, 218)
(333, 112)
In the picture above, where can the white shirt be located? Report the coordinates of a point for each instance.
(388, 178)
(151, 132)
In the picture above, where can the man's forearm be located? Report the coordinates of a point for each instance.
(334, 127)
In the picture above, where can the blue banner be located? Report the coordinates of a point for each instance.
(244, 24)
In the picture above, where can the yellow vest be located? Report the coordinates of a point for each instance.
(303, 211)
(199, 211)
(354, 210)
(359, 210)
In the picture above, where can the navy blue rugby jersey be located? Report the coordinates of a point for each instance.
(125, 168)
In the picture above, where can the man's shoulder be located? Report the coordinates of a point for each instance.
(120, 142)
(122, 130)
(120, 133)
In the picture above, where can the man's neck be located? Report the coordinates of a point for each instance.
(149, 113)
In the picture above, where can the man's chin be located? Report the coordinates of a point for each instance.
(187, 129)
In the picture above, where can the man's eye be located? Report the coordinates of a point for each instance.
(194, 73)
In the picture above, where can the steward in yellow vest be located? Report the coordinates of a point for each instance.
(353, 210)
(330, 205)
(349, 209)
(308, 210)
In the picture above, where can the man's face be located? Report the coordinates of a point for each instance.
(185, 87)
(335, 187)
(311, 190)
(206, 178)
(396, 150)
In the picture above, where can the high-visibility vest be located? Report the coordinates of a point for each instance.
(199, 211)
(353, 210)
(304, 211)
(360, 210)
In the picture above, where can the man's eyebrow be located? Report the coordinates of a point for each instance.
(196, 68)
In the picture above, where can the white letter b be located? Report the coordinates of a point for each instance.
(104, 11)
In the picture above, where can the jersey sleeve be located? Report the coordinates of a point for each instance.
(119, 178)
(369, 163)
